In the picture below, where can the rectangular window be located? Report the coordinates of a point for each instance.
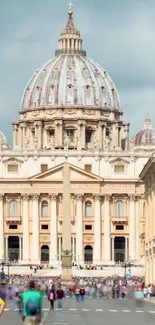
(70, 134)
(119, 227)
(88, 135)
(43, 168)
(88, 227)
(88, 168)
(44, 227)
(51, 133)
(119, 169)
(12, 168)
(13, 227)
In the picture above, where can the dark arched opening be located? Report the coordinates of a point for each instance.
(88, 254)
(44, 254)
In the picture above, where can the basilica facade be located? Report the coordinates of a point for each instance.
(70, 107)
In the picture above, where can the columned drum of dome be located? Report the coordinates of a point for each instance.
(70, 78)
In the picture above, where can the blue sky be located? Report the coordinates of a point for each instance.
(118, 34)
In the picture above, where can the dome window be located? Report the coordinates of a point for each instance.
(87, 86)
(37, 87)
(102, 88)
(52, 86)
(70, 86)
(28, 88)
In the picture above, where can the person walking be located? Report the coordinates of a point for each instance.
(51, 297)
(59, 296)
(31, 303)
(82, 293)
(2, 306)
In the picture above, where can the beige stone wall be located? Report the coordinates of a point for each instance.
(147, 242)
(90, 190)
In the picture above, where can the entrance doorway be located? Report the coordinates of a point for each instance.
(13, 248)
(44, 254)
(88, 254)
(119, 249)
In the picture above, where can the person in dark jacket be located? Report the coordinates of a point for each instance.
(59, 296)
(82, 293)
(51, 297)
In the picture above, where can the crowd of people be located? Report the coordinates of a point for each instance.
(28, 292)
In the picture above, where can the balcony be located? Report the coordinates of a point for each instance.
(119, 220)
(13, 219)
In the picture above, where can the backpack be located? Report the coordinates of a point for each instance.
(51, 296)
(31, 308)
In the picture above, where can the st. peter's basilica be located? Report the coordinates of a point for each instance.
(70, 105)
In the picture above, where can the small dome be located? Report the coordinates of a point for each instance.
(70, 78)
(147, 135)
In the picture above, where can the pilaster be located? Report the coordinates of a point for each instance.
(79, 229)
(97, 230)
(25, 223)
(35, 258)
(132, 229)
(107, 242)
(53, 230)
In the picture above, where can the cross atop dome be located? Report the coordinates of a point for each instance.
(70, 5)
(70, 39)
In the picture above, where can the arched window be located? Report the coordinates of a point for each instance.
(88, 209)
(119, 209)
(13, 208)
(44, 209)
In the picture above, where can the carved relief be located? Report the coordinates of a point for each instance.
(44, 239)
(50, 112)
(105, 114)
(70, 111)
(89, 112)
(35, 197)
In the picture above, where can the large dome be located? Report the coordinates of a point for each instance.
(70, 78)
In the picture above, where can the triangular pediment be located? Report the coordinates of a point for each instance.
(76, 175)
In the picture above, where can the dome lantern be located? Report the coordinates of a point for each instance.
(70, 41)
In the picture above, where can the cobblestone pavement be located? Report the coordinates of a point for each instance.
(89, 312)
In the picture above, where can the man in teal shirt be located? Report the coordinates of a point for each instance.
(31, 304)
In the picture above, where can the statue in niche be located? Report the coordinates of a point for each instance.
(26, 142)
(95, 143)
(35, 142)
(66, 142)
(107, 143)
(79, 143)
(52, 142)
(132, 143)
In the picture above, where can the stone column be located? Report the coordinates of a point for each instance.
(79, 230)
(97, 231)
(126, 249)
(112, 249)
(132, 229)
(53, 230)
(25, 221)
(56, 133)
(1, 228)
(35, 258)
(60, 133)
(6, 248)
(107, 243)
